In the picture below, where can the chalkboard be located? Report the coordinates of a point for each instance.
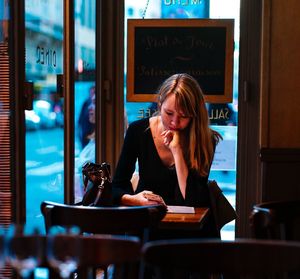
(158, 48)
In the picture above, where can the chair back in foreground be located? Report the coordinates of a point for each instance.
(133, 220)
(104, 250)
(68, 253)
(232, 259)
(276, 220)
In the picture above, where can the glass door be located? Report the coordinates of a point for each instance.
(44, 35)
(45, 131)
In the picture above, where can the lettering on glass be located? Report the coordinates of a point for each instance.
(216, 114)
(143, 113)
(45, 56)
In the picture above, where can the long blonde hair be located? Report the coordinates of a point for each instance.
(200, 138)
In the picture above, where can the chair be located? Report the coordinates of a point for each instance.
(232, 259)
(276, 220)
(135, 220)
(23, 252)
(101, 251)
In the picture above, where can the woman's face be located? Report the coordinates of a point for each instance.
(173, 118)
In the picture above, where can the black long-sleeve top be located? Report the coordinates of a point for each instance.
(153, 174)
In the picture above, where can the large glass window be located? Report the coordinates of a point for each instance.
(44, 120)
(223, 117)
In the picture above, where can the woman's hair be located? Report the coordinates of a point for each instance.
(201, 140)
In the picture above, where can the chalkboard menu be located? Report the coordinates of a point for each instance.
(158, 48)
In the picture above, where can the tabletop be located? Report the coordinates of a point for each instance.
(185, 221)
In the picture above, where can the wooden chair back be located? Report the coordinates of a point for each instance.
(133, 220)
(94, 251)
(231, 259)
(104, 250)
(276, 220)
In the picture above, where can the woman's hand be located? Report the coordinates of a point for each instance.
(171, 139)
(142, 198)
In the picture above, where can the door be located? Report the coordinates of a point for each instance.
(60, 120)
(44, 116)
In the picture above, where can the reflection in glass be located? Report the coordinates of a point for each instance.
(44, 123)
(85, 89)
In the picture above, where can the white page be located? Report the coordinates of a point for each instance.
(180, 209)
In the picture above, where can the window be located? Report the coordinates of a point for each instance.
(223, 117)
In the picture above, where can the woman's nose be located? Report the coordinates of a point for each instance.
(175, 121)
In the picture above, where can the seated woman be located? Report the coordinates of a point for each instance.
(174, 150)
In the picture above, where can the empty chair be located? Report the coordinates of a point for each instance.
(135, 220)
(276, 220)
(232, 259)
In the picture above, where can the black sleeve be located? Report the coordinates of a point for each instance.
(196, 190)
(126, 165)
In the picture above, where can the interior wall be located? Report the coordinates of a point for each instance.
(280, 82)
(280, 101)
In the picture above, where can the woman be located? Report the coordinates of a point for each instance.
(174, 150)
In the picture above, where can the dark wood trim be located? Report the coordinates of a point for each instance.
(248, 164)
(109, 80)
(280, 173)
(265, 73)
(17, 81)
(69, 75)
(280, 154)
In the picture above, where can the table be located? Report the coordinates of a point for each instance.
(185, 221)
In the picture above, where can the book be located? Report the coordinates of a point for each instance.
(180, 209)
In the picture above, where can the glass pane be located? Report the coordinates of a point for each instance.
(85, 65)
(223, 117)
(44, 122)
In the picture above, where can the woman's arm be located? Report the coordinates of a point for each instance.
(181, 170)
(121, 183)
(172, 140)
